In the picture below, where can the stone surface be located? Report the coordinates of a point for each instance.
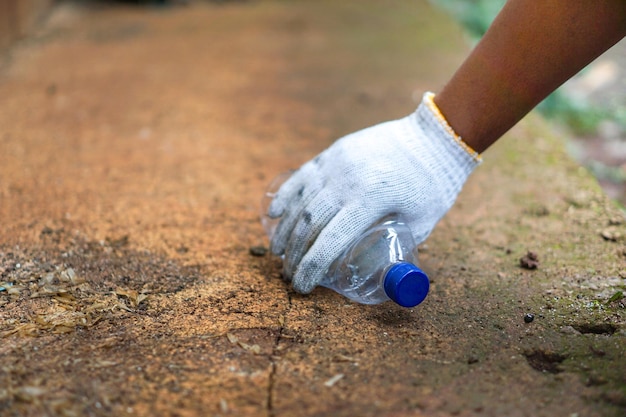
(135, 146)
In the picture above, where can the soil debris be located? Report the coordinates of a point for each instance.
(117, 243)
(545, 361)
(258, 250)
(57, 291)
(472, 360)
(529, 261)
(611, 235)
(595, 328)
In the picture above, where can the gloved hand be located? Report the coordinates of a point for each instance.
(414, 166)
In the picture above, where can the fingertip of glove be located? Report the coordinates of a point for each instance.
(276, 208)
(306, 279)
(303, 287)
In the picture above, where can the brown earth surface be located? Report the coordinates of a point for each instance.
(135, 146)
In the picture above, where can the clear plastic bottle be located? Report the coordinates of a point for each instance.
(377, 267)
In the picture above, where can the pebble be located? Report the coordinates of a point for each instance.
(611, 235)
(258, 250)
(528, 318)
(568, 330)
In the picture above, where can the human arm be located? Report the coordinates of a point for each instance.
(531, 48)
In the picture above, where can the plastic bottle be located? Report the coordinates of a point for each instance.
(377, 267)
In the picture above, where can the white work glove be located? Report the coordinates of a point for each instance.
(414, 167)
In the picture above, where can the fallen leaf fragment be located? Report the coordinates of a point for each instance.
(232, 338)
(343, 358)
(28, 394)
(256, 349)
(332, 381)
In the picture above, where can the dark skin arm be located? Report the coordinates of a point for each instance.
(531, 48)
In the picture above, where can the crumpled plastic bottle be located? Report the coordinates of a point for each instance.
(379, 266)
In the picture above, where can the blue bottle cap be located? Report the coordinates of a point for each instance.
(406, 284)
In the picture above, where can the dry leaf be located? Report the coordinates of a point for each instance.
(256, 349)
(332, 381)
(131, 295)
(104, 364)
(343, 358)
(141, 297)
(62, 329)
(232, 338)
(28, 394)
(14, 290)
(123, 307)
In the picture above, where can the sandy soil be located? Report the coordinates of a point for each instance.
(135, 146)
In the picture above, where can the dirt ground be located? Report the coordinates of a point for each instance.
(136, 143)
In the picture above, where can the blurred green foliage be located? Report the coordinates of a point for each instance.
(474, 15)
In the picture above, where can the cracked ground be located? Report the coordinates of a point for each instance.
(136, 143)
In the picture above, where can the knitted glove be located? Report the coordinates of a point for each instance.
(414, 167)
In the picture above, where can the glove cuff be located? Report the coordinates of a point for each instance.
(452, 158)
(429, 103)
(460, 159)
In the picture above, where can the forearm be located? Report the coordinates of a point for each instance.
(531, 48)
